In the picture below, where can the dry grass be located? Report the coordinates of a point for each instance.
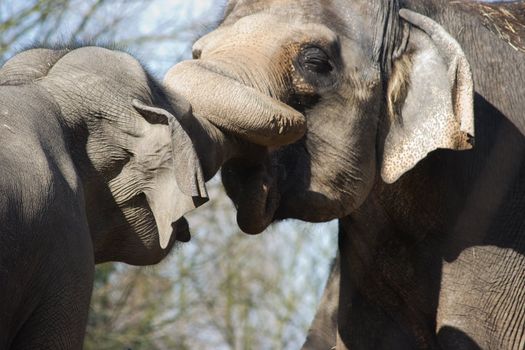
(507, 20)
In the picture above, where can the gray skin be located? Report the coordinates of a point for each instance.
(95, 167)
(431, 241)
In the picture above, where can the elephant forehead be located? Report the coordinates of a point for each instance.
(241, 8)
(342, 16)
(273, 23)
(306, 9)
(263, 33)
(276, 16)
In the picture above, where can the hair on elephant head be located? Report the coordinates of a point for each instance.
(362, 87)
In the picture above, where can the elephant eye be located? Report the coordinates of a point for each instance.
(315, 60)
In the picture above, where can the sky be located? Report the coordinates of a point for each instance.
(186, 11)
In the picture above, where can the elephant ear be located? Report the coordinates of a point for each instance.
(180, 188)
(430, 98)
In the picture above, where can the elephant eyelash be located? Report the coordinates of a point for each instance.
(315, 60)
(316, 70)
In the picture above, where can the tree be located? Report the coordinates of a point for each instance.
(161, 31)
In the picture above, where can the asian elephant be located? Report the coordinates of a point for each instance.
(431, 240)
(97, 163)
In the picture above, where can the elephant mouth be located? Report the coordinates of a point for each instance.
(276, 188)
(181, 230)
(254, 189)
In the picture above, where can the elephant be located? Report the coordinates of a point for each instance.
(99, 162)
(414, 141)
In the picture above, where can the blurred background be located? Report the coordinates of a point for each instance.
(223, 289)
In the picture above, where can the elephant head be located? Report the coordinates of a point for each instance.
(132, 146)
(380, 88)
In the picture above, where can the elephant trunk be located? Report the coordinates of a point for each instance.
(215, 147)
(235, 108)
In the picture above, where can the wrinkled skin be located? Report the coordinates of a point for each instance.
(83, 149)
(96, 165)
(431, 241)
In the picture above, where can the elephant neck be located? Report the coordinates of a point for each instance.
(384, 269)
(454, 214)
(391, 254)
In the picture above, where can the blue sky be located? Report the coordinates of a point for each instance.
(186, 12)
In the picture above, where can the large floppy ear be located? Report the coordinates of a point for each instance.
(430, 98)
(180, 189)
